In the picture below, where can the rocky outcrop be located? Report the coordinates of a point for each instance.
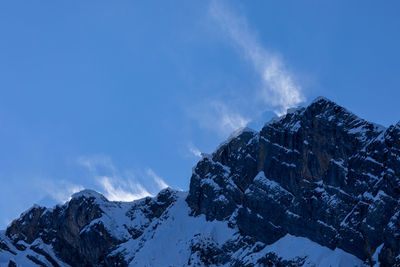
(319, 172)
(80, 232)
(63, 228)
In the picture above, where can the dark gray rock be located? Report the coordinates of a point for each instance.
(319, 172)
(73, 232)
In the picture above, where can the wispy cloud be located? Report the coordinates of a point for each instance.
(122, 186)
(279, 89)
(228, 120)
(157, 179)
(64, 192)
(97, 163)
(59, 190)
(218, 116)
(194, 150)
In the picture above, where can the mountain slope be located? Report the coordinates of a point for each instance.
(318, 186)
(134, 236)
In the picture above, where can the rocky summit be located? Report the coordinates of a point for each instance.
(318, 186)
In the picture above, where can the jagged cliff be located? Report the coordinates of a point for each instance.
(318, 186)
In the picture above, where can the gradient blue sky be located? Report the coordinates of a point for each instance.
(120, 96)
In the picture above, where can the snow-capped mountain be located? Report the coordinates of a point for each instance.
(316, 187)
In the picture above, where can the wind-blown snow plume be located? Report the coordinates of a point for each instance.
(119, 190)
(218, 117)
(194, 150)
(58, 190)
(157, 179)
(122, 186)
(229, 119)
(279, 89)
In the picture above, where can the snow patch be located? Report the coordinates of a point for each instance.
(291, 247)
(376, 254)
(169, 243)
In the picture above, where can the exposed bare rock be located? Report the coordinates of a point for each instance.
(316, 187)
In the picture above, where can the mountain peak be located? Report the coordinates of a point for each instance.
(322, 105)
(88, 193)
(240, 131)
(319, 107)
(322, 99)
(234, 136)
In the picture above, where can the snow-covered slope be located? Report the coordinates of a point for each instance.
(174, 239)
(316, 187)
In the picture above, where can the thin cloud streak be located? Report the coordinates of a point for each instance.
(96, 162)
(279, 89)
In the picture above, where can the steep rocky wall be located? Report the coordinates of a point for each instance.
(319, 172)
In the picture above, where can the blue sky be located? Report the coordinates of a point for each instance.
(120, 96)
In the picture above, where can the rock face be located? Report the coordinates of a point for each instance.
(319, 182)
(84, 231)
(319, 172)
